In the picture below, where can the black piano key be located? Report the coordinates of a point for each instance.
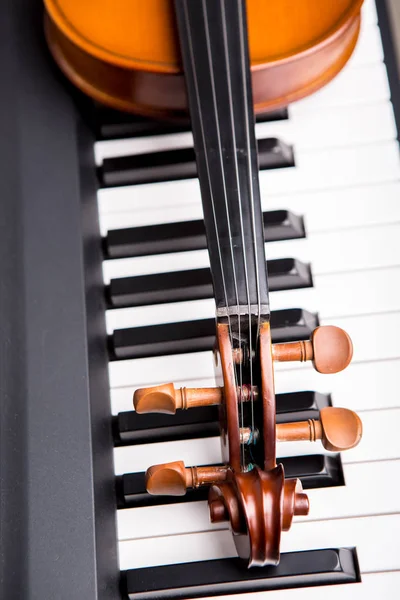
(132, 428)
(230, 575)
(196, 336)
(314, 470)
(112, 124)
(190, 235)
(172, 165)
(288, 274)
(196, 284)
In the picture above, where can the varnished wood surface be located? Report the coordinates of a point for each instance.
(330, 349)
(338, 428)
(173, 479)
(166, 399)
(229, 413)
(126, 53)
(267, 397)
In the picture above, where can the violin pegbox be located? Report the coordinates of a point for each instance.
(250, 490)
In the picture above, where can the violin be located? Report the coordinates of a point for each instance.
(236, 59)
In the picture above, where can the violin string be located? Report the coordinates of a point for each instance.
(237, 173)
(251, 189)
(198, 102)
(210, 60)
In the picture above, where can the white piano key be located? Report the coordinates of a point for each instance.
(328, 252)
(195, 452)
(367, 534)
(366, 292)
(333, 127)
(372, 335)
(360, 387)
(378, 549)
(358, 498)
(334, 168)
(335, 209)
(123, 373)
(151, 315)
(368, 48)
(370, 489)
(365, 85)
(147, 522)
(380, 441)
(373, 585)
(368, 13)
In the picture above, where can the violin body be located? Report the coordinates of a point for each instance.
(126, 54)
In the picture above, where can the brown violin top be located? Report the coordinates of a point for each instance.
(126, 54)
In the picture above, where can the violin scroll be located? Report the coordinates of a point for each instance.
(259, 503)
(259, 506)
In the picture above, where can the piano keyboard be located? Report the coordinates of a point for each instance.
(341, 178)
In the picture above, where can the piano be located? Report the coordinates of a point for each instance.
(105, 288)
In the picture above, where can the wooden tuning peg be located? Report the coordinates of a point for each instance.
(338, 429)
(329, 348)
(166, 399)
(173, 479)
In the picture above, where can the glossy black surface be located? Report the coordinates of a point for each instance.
(230, 576)
(190, 235)
(178, 286)
(172, 165)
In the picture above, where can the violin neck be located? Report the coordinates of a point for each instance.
(214, 46)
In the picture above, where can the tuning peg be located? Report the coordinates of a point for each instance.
(173, 479)
(166, 399)
(338, 429)
(329, 348)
